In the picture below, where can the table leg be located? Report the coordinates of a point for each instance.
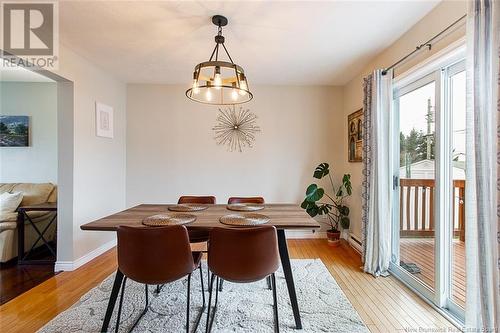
(20, 236)
(287, 269)
(112, 300)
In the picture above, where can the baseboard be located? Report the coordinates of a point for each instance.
(355, 243)
(72, 265)
(297, 234)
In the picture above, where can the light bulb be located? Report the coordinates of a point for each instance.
(208, 95)
(196, 90)
(234, 94)
(217, 78)
(217, 81)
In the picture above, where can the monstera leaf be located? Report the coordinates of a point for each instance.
(321, 170)
(311, 208)
(343, 210)
(345, 222)
(314, 193)
(346, 182)
(325, 209)
(346, 186)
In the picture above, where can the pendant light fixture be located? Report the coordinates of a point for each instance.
(219, 82)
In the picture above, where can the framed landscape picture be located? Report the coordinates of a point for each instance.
(14, 131)
(355, 136)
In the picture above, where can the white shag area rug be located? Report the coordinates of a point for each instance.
(242, 307)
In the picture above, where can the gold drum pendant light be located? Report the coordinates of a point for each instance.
(219, 82)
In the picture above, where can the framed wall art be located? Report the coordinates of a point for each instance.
(104, 120)
(355, 136)
(14, 131)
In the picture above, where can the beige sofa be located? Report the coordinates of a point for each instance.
(32, 194)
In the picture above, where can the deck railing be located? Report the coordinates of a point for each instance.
(416, 198)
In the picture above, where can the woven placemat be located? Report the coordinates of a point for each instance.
(168, 219)
(244, 207)
(241, 220)
(187, 208)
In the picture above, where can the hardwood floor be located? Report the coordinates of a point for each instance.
(15, 279)
(384, 304)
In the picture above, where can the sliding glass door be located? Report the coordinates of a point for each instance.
(417, 179)
(429, 186)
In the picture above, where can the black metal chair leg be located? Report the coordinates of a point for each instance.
(200, 314)
(275, 305)
(269, 286)
(210, 319)
(202, 286)
(112, 300)
(215, 305)
(210, 289)
(208, 278)
(188, 299)
(159, 287)
(143, 311)
(120, 305)
(221, 283)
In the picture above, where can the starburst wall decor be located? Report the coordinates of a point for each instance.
(236, 129)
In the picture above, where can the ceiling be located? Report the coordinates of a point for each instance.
(297, 43)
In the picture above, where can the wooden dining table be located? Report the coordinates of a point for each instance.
(282, 216)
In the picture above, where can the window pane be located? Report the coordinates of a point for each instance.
(417, 179)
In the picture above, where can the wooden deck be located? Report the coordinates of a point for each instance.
(420, 251)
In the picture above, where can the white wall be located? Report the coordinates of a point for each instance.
(439, 18)
(38, 162)
(171, 150)
(98, 163)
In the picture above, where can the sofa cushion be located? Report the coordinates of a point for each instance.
(34, 193)
(8, 226)
(8, 217)
(10, 201)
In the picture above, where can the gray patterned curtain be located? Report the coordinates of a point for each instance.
(482, 313)
(367, 159)
(377, 177)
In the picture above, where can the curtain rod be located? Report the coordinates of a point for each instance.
(427, 44)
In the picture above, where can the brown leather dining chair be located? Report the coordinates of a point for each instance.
(157, 255)
(197, 235)
(254, 200)
(229, 248)
(250, 200)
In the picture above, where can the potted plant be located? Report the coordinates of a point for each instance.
(318, 202)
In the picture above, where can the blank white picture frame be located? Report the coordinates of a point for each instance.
(103, 120)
